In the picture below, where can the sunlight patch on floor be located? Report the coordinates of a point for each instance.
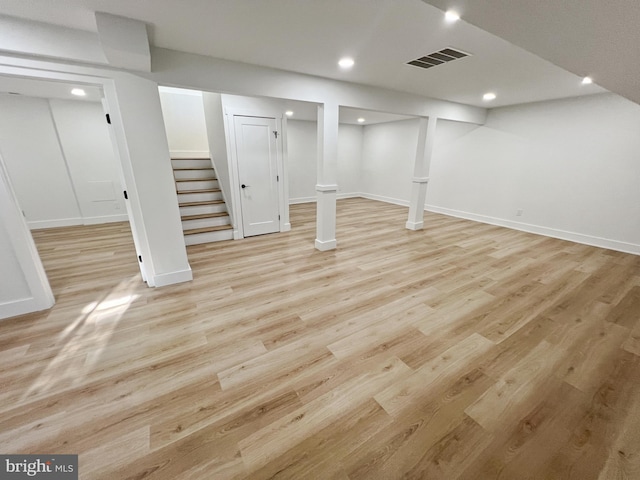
(84, 340)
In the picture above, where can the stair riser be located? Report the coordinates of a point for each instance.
(195, 162)
(199, 197)
(208, 237)
(180, 174)
(203, 184)
(205, 222)
(201, 209)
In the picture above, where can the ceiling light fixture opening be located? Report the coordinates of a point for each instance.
(361, 120)
(451, 16)
(587, 81)
(487, 97)
(288, 113)
(346, 62)
(78, 92)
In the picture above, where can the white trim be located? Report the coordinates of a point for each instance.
(327, 188)
(341, 196)
(414, 225)
(327, 245)
(21, 307)
(293, 201)
(283, 191)
(420, 180)
(105, 219)
(180, 276)
(546, 231)
(195, 154)
(58, 222)
(380, 198)
(230, 113)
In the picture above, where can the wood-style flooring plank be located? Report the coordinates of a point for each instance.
(462, 350)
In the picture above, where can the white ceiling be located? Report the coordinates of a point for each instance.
(309, 36)
(587, 37)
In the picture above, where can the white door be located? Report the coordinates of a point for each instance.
(256, 148)
(116, 153)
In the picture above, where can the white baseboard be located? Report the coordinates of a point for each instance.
(294, 201)
(539, 230)
(287, 227)
(164, 279)
(21, 307)
(414, 225)
(380, 198)
(105, 219)
(326, 245)
(60, 222)
(72, 222)
(189, 154)
(339, 196)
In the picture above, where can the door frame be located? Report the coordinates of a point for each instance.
(46, 71)
(281, 162)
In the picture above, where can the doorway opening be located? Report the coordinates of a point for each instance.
(61, 164)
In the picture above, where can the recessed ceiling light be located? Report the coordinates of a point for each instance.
(587, 81)
(489, 96)
(451, 16)
(361, 120)
(288, 113)
(78, 92)
(346, 62)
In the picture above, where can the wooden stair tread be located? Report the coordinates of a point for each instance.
(207, 190)
(206, 202)
(207, 229)
(208, 179)
(192, 168)
(204, 215)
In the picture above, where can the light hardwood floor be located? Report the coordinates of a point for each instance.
(461, 351)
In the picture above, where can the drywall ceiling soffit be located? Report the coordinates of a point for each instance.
(309, 37)
(586, 37)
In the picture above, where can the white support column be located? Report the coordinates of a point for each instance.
(426, 137)
(327, 176)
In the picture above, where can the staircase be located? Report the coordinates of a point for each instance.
(202, 210)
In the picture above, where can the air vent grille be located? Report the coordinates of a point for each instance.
(438, 58)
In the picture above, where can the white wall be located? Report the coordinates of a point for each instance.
(33, 157)
(184, 120)
(570, 165)
(23, 284)
(60, 161)
(388, 154)
(90, 159)
(144, 150)
(303, 160)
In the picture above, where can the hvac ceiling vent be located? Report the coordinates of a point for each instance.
(438, 58)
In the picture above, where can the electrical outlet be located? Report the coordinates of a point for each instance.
(519, 212)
